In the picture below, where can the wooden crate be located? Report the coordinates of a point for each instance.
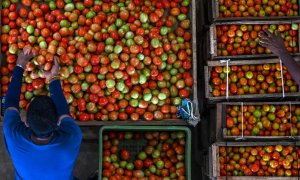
(213, 39)
(212, 99)
(221, 123)
(214, 164)
(192, 15)
(214, 15)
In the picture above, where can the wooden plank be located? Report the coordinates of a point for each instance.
(219, 130)
(256, 177)
(139, 123)
(273, 18)
(260, 22)
(206, 79)
(178, 122)
(254, 143)
(244, 62)
(261, 103)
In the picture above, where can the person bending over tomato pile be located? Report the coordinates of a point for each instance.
(276, 44)
(46, 145)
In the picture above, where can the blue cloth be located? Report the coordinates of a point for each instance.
(53, 161)
(13, 95)
(58, 98)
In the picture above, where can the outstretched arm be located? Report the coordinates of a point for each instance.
(276, 44)
(14, 88)
(56, 92)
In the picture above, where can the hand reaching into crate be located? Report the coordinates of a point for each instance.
(276, 44)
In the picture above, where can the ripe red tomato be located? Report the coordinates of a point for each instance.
(125, 154)
(88, 3)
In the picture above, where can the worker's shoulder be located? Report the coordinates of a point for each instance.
(69, 126)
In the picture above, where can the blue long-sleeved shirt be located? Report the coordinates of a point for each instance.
(54, 160)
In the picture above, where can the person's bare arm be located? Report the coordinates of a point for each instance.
(276, 44)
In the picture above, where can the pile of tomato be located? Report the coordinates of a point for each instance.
(162, 156)
(118, 59)
(243, 39)
(263, 120)
(273, 160)
(251, 79)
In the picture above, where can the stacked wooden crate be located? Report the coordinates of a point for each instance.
(255, 136)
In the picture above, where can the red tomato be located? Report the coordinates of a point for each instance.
(124, 154)
(88, 3)
(26, 2)
(38, 83)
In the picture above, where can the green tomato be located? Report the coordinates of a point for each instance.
(119, 22)
(142, 155)
(130, 166)
(115, 64)
(164, 30)
(160, 164)
(181, 17)
(110, 83)
(129, 35)
(5, 29)
(69, 7)
(120, 86)
(134, 102)
(143, 17)
(30, 29)
(176, 101)
(114, 158)
(141, 56)
(79, 6)
(147, 97)
(5, 4)
(43, 45)
(129, 42)
(91, 14)
(115, 8)
(28, 95)
(109, 49)
(123, 164)
(142, 79)
(118, 74)
(155, 43)
(64, 23)
(162, 96)
(118, 49)
(52, 5)
(185, 3)
(109, 41)
(295, 26)
(156, 154)
(152, 169)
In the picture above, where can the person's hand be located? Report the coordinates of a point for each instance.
(25, 56)
(54, 70)
(273, 41)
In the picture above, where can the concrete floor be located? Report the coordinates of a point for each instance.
(86, 164)
(87, 161)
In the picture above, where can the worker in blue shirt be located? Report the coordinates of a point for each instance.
(46, 145)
